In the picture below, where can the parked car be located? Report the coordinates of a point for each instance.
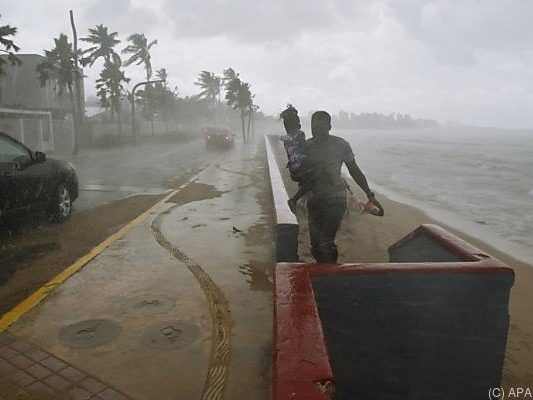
(218, 137)
(30, 182)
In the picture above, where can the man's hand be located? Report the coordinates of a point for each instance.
(381, 211)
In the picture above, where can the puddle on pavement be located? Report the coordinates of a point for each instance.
(90, 333)
(194, 192)
(170, 335)
(14, 258)
(259, 275)
(149, 305)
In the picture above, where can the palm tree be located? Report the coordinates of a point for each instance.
(239, 97)
(103, 44)
(162, 75)
(139, 48)
(229, 74)
(250, 111)
(10, 48)
(110, 88)
(166, 99)
(59, 66)
(210, 85)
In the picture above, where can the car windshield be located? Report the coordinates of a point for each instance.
(11, 151)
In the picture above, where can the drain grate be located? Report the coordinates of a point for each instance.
(89, 333)
(170, 335)
(148, 305)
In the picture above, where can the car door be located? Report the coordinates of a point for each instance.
(39, 180)
(15, 184)
(7, 190)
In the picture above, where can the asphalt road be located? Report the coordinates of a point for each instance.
(109, 175)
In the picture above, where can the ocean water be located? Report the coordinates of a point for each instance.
(478, 180)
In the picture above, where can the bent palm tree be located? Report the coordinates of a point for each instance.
(103, 43)
(139, 50)
(59, 65)
(239, 97)
(162, 75)
(210, 85)
(110, 88)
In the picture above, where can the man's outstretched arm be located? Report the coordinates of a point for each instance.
(360, 179)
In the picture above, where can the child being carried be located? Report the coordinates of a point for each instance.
(301, 171)
(294, 143)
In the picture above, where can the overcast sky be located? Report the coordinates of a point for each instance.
(457, 60)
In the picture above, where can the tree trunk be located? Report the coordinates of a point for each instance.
(119, 123)
(243, 130)
(253, 126)
(249, 123)
(152, 124)
(74, 122)
(77, 79)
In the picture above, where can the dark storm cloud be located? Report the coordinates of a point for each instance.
(459, 30)
(123, 16)
(258, 21)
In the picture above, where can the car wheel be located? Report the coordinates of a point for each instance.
(62, 204)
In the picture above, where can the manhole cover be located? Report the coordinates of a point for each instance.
(147, 305)
(90, 333)
(170, 335)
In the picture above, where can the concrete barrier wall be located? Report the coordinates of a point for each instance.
(287, 228)
(433, 326)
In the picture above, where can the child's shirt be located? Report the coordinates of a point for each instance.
(294, 146)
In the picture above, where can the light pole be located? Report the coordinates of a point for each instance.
(133, 104)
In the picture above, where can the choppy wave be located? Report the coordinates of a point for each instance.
(479, 176)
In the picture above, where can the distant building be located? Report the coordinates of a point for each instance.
(36, 115)
(344, 116)
(20, 88)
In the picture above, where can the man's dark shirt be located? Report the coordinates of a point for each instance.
(327, 157)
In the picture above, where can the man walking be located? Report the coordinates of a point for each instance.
(327, 204)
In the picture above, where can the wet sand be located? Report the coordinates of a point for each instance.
(365, 238)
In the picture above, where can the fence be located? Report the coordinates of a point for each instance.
(33, 128)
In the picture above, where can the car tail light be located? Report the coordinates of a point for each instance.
(227, 137)
(209, 136)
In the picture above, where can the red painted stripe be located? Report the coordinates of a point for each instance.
(454, 244)
(300, 354)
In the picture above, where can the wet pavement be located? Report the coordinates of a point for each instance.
(150, 168)
(181, 307)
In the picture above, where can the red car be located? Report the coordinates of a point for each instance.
(218, 137)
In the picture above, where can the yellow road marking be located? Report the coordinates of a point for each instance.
(36, 297)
